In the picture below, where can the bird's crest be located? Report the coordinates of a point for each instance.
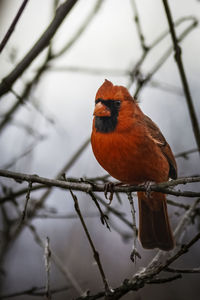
(115, 92)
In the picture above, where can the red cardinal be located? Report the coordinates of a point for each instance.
(132, 149)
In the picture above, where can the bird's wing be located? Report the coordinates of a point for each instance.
(159, 139)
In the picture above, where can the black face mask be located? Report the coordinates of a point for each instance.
(108, 124)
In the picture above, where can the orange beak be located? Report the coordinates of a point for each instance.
(101, 110)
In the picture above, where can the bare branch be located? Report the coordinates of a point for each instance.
(34, 291)
(12, 26)
(192, 19)
(183, 271)
(40, 45)
(179, 62)
(81, 29)
(180, 205)
(74, 157)
(139, 26)
(27, 151)
(12, 195)
(115, 212)
(164, 187)
(134, 252)
(26, 92)
(87, 70)
(26, 203)
(142, 80)
(95, 253)
(147, 275)
(184, 154)
(164, 280)
(63, 269)
(63, 216)
(103, 217)
(47, 257)
(185, 220)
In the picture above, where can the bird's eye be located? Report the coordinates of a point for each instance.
(117, 103)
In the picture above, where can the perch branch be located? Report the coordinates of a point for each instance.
(164, 187)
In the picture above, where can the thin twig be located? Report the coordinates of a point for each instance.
(192, 19)
(126, 236)
(13, 25)
(63, 216)
(10, 195)
(27, 151)
(74, 157)
(184, 249)
(34, 291)
(63, 170)
(184, 154)
(147, 274)
(134, 252)
(81, 29)
(114, 211)
(171, 256)
(59, 264)
(180, 205)
(47, 258)
(167, 87)
(40, 45)
(139, 26)
(40, 202)
(185, 220)
(26, 92)
(182, 271)
(88, 70)
(164, 280)
(44, 67)
(103, 217)
(144, 79)
(26, 203)
(95, 253)
(180, 66)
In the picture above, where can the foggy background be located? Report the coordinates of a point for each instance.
(56, 120)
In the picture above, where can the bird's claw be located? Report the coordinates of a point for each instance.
(108, 187)
(135, 254)
(148, 185)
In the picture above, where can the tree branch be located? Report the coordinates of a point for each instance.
(147, 275)
(34, 291)
(88, 187)
(40, 45)
(183, 271)
(59, 264)
(95, 252)
(12, 26)
(179, 62)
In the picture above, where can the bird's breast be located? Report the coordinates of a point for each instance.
(130, 157)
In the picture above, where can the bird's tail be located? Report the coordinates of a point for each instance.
(154, 227)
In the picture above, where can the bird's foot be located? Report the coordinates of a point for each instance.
(135, 254)
(148, 185)
(108, 187)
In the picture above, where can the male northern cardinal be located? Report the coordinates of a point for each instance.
(132, 149)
